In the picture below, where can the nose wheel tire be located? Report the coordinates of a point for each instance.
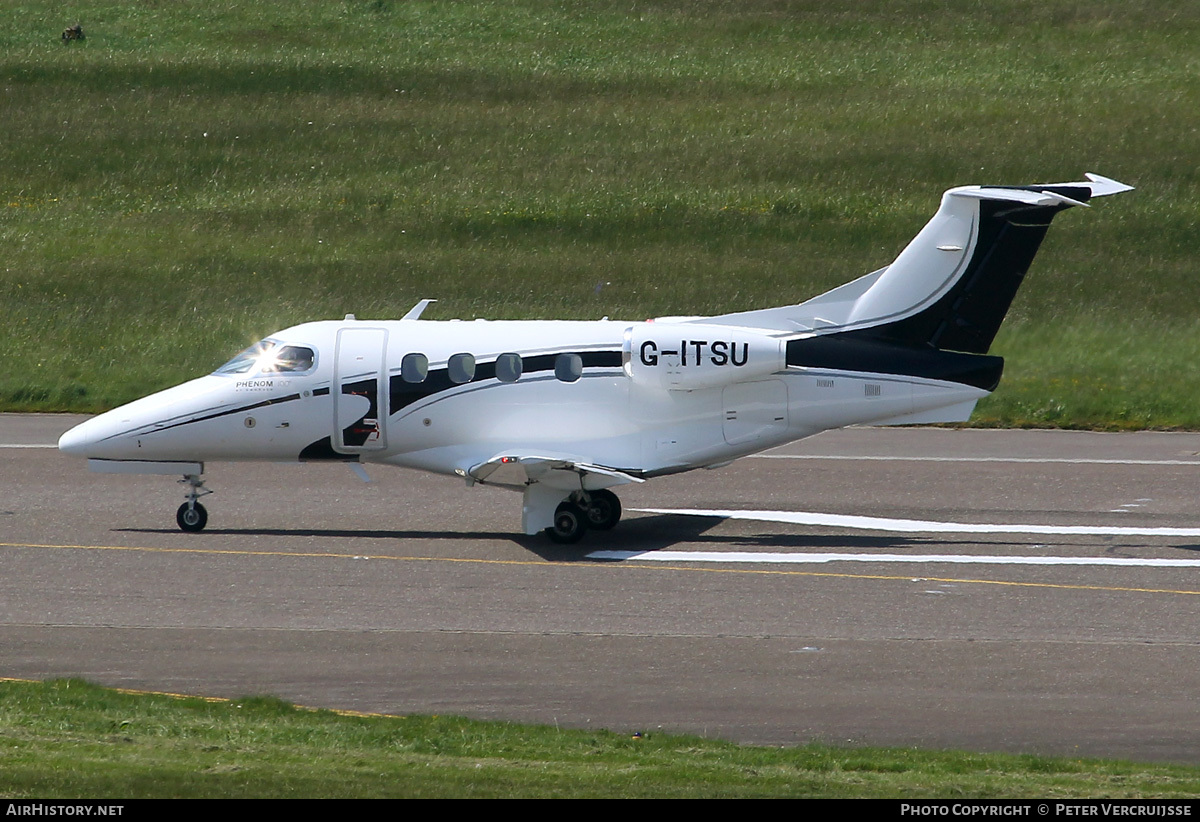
(570, 524)
(191, 516)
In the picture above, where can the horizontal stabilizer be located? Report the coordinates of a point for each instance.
(1038, 198)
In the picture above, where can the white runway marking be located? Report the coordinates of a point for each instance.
(1067, 461)
(817, 559)
(910, 526)
(20, 445)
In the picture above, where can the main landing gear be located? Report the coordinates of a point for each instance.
(192, 516)
(583, 510)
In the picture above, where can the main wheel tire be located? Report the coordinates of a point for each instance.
(191, 516)
(570, 524)
(605, 510)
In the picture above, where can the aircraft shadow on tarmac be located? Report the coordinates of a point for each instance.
(660, 532)
(640, 534)
(649, 533)
(664, 531)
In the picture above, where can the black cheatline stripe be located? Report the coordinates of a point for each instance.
(858, 351)
(264, 403)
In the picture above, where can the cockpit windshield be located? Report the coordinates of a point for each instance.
(270, 357)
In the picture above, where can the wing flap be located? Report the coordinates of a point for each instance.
(518, 471)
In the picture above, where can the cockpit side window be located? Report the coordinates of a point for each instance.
(269, 357)
(290, 359)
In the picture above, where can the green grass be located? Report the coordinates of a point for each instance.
(71, 739)
(196, 175)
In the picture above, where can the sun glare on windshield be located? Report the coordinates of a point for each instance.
(269, 357)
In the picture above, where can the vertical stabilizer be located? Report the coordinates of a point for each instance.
(951, 287)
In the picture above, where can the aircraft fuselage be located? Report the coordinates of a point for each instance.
(647, 398)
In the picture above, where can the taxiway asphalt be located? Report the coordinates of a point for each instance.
(414, 594)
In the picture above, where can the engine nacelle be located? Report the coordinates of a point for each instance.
(686, 356)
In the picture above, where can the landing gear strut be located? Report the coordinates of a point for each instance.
(192, 516)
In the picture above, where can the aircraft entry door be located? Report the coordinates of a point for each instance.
(360, 391)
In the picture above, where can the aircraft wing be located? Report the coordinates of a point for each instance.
(518, 471)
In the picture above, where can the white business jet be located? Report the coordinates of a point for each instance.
(564, 411)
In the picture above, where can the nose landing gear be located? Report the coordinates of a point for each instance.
(192, 516)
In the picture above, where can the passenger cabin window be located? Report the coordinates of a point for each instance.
(414, 368)
(461, 368)
(270, 357)
(508, 367)
(568, 367)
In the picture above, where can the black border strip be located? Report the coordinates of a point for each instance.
(853, 351)
(146, 431)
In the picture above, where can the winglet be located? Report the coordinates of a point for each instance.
(416, 310)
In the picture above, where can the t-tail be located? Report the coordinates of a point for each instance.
(936, 309)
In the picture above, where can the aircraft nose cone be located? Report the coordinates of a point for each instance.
(77, 440)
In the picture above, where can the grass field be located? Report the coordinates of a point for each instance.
(199, 173)
(69, 739)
